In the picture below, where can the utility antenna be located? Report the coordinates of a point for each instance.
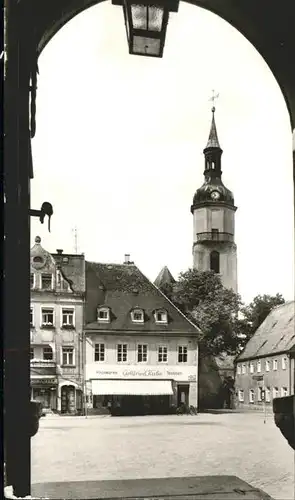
(75, 239)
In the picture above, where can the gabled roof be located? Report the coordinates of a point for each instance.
(276, 333)
(123, 287)
(72, 267)
(164, 278)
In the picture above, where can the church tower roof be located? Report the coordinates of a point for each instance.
(213, 190)
(164, 278)
(213, 137)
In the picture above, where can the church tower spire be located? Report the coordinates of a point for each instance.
(213, 211)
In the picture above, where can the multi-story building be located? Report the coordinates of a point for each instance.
(266, 367)
(141, 351)
(57, 305)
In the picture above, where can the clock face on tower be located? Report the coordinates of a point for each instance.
(215, 195)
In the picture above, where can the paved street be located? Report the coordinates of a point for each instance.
(97, 448)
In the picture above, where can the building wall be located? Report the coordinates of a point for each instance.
(281, 379)
(153, 342)
(228, 261)
(207, 218)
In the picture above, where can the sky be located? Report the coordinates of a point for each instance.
(119, 146)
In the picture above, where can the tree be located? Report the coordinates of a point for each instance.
(255, 313)
(203, 299)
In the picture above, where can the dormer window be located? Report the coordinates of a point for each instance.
(137, 315)
(103, 315)
(161, 316)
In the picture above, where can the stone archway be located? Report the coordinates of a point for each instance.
(30, 24)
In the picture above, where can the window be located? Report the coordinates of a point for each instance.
(121, 353)
(259, 395)
(142, 353)
(162, 354)
(32, 280)
(46, 281)
(68, 317)
(215, 261)
(284, 392)
(239, 370)
(243, 368)
(251, 396)
(251, 367)
(68, 356)
(267, 366)
(275, 392)
(31, 353)
(161, 316)
(137, 316)
(47, 353)
(258, 366)
(215, 234)
(275, 364)
(31, 316)
(47, 317)
(182, 354)
(103, 314)
(241, 395)
(284, 363)
(267, 394)
(99, 352)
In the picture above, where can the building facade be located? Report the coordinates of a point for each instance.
(141, 351)
(266, 368)
(57, 315)
(213, 212)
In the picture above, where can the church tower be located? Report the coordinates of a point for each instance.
(213, 211)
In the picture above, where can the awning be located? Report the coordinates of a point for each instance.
(131, 387)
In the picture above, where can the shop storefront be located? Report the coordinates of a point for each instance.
(43, 389)
(131, 390)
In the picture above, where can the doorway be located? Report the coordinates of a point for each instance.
(68, 399)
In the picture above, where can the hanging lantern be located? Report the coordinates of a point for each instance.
(146, 25)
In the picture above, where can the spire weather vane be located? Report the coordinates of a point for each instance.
(213, 99)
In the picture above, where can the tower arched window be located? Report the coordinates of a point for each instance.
(215, 261)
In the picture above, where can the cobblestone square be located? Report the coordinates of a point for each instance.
(105, 448)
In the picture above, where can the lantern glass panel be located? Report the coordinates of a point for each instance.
(145, 45)
(155, 18)
(139, 17)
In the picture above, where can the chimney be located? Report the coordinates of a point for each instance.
(59, 251)
(127, 258)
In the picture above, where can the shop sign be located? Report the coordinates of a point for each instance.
(173, 372)
(44, 381)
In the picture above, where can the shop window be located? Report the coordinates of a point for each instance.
(162, 354)
(241, 395)
(284, 363)
(275, 364)
(32, 280)
(267, 394)
(47, 353)
(103, 314)
(267, 366)
(275, 392)
(68, 318)
(182, 354)
(121, 353)
(251, 396)
(142, 353)
(251, 367)
(31, 353)
(46, 281)
(259, 393)
(99, 352)
(47, 317)
(31, 316)
(215, 261)
(258, 366)
(137, 316)
(284, 392)
(68, 356)
(161, 316)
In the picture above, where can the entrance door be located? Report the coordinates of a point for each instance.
(68, 399)
(183, 395)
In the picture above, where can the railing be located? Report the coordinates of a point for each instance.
(212, 236)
